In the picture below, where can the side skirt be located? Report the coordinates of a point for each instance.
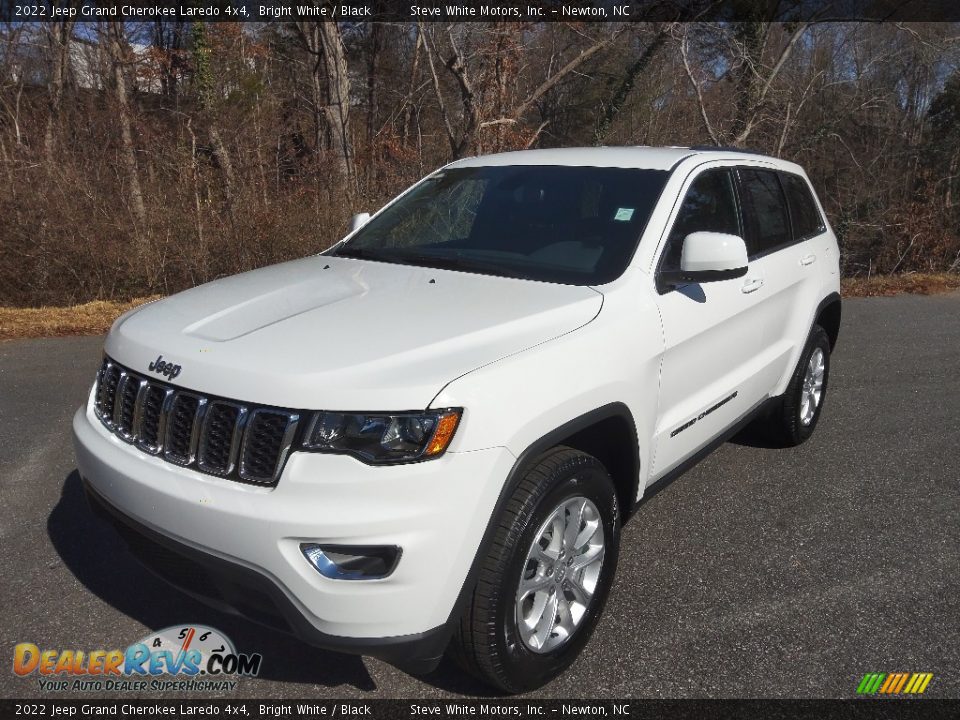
(655, 487)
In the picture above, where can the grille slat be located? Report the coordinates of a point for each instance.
(179, 446)
(218, 445)
(107, 392)
(152, 418)
(265, 444)
(127, 404)
(215, 436)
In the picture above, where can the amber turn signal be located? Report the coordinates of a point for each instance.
(443, 434)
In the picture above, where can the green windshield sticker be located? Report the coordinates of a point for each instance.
(623, 214)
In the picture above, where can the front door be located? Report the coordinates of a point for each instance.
(712, 333)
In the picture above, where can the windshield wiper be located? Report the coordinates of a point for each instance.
(459, 262)
(443, 262)
(359, 253)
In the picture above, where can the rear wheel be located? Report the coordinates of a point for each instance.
(802, 403)
(545, 579)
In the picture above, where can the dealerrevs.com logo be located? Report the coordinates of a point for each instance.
(181, 657)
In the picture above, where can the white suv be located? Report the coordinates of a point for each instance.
(433, 431)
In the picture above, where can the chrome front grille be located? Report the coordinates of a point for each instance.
(215, 436)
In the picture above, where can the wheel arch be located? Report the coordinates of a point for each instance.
(609, 434)
(828, 317)
(585, 431)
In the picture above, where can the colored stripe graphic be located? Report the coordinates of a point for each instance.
(894, 683)
(903, 681)
(870, 683)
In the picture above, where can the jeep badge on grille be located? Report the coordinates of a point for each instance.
(162, 367)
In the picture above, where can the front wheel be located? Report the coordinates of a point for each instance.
(545, 579)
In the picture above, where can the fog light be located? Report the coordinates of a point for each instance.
(352, 562)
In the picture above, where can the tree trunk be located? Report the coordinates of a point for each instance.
(373, 63)
(407, 122)
(617, 99)
(226, 164)
(373, 99)
(58, 43)
(751, 37)
(117, 45)
(338, 91)
(331, 111)
(951, 179)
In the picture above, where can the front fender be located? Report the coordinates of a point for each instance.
(615, 359)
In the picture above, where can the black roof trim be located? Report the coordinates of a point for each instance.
(727, 148)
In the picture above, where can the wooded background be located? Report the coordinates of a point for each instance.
(141, 158)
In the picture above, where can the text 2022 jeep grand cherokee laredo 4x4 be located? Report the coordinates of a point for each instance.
(433, 431)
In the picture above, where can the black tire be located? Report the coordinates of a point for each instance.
(787, 420)
(487, 643)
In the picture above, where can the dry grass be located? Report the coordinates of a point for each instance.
(92, 318)
(912, 283)
(95, 318)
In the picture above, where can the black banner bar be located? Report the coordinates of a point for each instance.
(858, 709)
(481, 11)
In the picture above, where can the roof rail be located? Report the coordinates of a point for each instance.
(727, 148)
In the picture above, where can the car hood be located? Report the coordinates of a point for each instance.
(343, 334)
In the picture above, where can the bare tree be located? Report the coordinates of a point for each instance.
(11, 84)
(330, 83)
(627, 80)
(59, 34)
(462, 130)
(119, 52)
(210, 136)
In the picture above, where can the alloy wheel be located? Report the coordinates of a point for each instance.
(560, 575)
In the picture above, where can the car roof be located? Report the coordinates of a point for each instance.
(640, 157)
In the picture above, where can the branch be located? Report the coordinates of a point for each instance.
(781, 61)
(536, 134)
(696, 87)
(551, 81)
(436, 87)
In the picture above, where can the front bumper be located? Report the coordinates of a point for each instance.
(247, 538)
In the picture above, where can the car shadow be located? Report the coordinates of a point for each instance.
(759, 434)
(105, 567)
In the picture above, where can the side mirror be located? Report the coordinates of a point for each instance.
(708, 257)
(358, 221)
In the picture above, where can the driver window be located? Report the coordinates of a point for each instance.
(710, 204)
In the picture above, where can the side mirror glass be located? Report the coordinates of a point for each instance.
(358, 221)
(708, 257)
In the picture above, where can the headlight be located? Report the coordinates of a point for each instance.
(381, 438)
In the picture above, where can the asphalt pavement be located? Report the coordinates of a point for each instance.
(760, 573)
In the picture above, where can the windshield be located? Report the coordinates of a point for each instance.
(574, 225)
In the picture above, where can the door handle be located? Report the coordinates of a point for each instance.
(752, 285)
(808, 259)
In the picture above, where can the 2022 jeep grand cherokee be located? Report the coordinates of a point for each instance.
(433, 431)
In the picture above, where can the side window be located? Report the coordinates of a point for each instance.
(764, 211)
(710, 204)
(803, 209)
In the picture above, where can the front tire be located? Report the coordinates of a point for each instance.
(545, 578)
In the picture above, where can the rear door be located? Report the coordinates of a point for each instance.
(711, 331)
(780, 219)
